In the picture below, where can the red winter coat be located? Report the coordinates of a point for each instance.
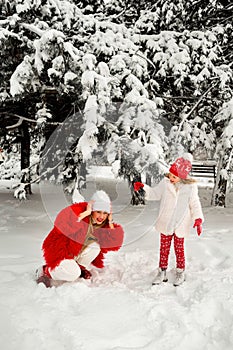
(68, 235)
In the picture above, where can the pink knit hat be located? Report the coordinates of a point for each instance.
(182, 166)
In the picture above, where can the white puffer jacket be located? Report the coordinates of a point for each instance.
(179, 207)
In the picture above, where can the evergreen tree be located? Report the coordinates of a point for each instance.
(224, 152)
(139, 80)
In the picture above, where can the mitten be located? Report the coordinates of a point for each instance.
(198, 225)
(137, 186)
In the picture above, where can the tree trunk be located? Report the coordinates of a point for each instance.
(148, 179)
(220, 189)
(220, 196)
(25, 156)
(82, 175)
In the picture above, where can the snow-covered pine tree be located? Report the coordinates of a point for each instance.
(40, 81)
(165, 54)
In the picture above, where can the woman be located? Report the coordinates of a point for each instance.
(82, 234)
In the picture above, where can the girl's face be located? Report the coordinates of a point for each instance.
(173, 179)
(99, 216)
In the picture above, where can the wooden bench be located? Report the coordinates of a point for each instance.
(204, 170)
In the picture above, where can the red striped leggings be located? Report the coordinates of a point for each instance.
(165, 244)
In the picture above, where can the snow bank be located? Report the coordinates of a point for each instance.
(118, 309)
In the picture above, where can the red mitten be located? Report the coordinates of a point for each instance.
(198, 225)
(137, 186)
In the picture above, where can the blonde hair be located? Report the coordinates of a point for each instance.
(187, 181)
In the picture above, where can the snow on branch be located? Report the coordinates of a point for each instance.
(186, 116)
(33, 28)
(21, 118)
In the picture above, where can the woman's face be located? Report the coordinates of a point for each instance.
(173, 179)
(99, 217)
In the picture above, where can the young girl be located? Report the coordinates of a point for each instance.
(179, 208)
(82, 234)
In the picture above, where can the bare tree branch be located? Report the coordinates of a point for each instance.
(21, 118)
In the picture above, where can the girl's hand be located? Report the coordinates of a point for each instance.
(198, 225)
(137, 186)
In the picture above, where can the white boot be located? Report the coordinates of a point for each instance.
(161, 277)
(180, 277)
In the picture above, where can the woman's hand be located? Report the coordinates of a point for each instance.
(89, 208)
(87, 212)
(110, 220)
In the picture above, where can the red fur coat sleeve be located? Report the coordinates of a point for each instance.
(109, 240)
(66, 238)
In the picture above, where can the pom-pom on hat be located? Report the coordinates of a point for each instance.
(182, 166)
(101, 201)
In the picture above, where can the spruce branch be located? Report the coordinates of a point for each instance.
(186, 116)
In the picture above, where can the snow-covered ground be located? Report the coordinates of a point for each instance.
(119, 309)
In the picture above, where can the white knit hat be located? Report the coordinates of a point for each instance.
(102, 201)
